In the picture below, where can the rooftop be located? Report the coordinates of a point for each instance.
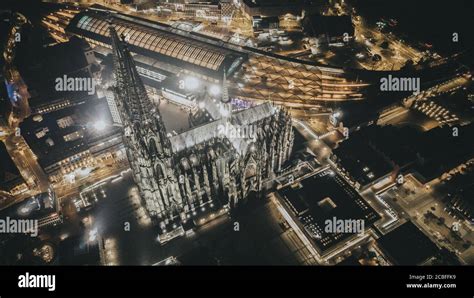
(205, 132)
(364, 163)
(450, 151)
(34, 207)
(61, 134)
(9, 173)
(322, 197)
(40, 71)
(76, 251)
(280, 3)
(407, 245)
(145, 37)
(333, 26)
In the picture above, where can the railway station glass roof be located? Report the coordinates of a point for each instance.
(167, 44)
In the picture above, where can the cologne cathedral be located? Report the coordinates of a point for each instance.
(190, 176)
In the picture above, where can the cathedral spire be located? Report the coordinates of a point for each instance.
(225, 99)
(136, 108)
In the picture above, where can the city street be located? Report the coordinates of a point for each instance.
(139, 246)
(416, 200)
(317, 146)
(237, 132)
(401, 51)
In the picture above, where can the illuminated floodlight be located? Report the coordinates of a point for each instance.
(215, 90)
(93, 235)
(191, 83)
(224, 112)
(99, 125)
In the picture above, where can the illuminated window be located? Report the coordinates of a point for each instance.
(73, 136)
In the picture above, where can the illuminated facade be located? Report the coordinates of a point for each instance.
(190, 177)
(294, 83)
(206, 10)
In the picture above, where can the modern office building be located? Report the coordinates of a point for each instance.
(73, 138)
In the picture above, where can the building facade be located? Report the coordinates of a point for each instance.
(187, 178)
(212, 10)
